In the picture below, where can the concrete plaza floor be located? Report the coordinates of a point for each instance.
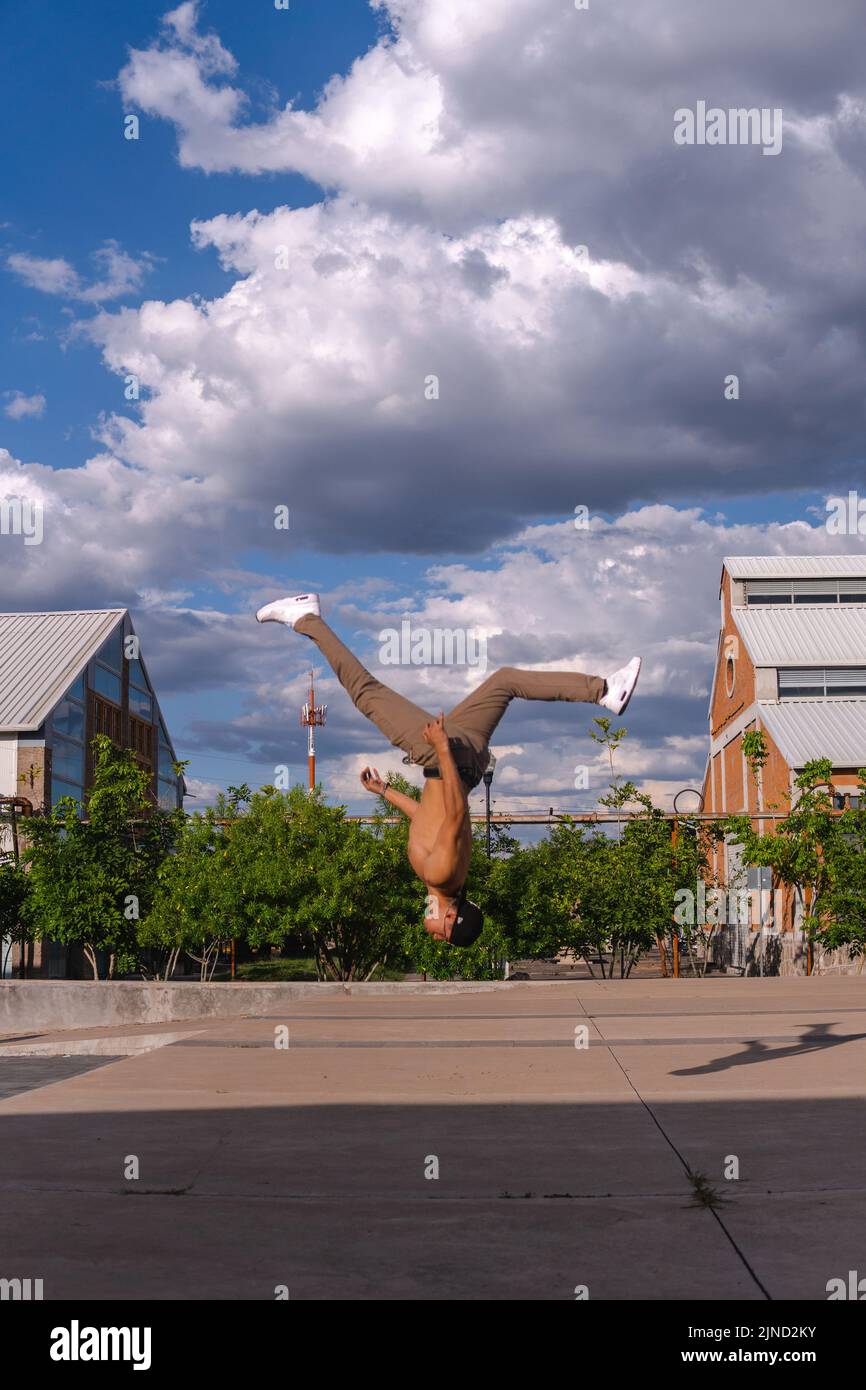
(312, 1166)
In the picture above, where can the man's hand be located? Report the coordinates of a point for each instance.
(435, 734)
(372, 782)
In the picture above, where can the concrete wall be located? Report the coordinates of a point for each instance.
(741, 950)
(50, 1004)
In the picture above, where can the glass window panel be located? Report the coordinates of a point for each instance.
(792, 690)
(59, 789)
(763, 591)
(816, 591)
(165, 768)
(846, 675)
(76, 691)
(112, 650)
(801, 681)
(140, 704)
(833, 681)
(167, 794)
(69, 719)
(107, 684)
(67, 761)
(136, 673)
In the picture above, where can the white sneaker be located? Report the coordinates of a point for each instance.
(289, 610)
(620, 686)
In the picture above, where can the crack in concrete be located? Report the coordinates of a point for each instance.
(781, 1194)
(687, 1169)
(830, 1041)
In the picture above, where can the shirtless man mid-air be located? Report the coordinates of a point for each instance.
(452, 751)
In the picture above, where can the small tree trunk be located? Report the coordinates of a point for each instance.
(209, 962)
(90, 955)
(171, 962)
(707, 937)
(373, 967)
(690, 949)
(662, 956)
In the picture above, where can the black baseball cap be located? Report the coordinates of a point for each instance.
(468, 922)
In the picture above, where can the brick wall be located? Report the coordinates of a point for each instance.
(32, 773)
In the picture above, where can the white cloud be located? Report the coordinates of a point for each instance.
(558, 599)
(552, 597)
(563, 599)
(475, 150)
(501, 107)
(472, 157)
(304, 384)
(40, 273)
(21, 407)
(117, 274)
(200, 794)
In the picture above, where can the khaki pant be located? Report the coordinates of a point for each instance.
(469, 725)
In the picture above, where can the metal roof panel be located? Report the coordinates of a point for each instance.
(807, 729)
(795, 566)
(41, 654)
(804, 635)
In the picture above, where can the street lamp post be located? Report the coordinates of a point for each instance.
(488, 778)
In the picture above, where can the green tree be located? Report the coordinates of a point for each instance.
(611, 898)
(195, 905)
(802, 848)
(843, 925)
(605, 898)
(356, 920)
(287, 865)
(349, 891)
(14, 894)
(91, 879)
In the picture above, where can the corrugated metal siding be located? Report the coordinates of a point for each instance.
(794, 566)
(804, 636)
(807, 729)
(40, 656)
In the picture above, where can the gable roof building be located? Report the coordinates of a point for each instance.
(790, 663)
(64, 678)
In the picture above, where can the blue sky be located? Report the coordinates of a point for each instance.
(431, 169)
(72, 182)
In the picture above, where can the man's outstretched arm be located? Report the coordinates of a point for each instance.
(372, 782)
(407, 804)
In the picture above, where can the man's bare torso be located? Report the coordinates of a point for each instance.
(439, 849)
